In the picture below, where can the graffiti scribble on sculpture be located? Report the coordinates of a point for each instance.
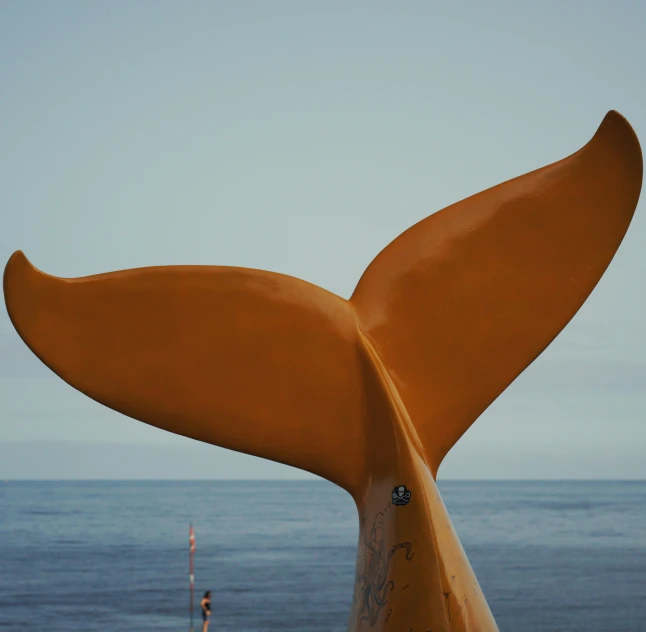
(371, 593)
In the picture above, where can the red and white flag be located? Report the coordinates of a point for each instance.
(191, 577)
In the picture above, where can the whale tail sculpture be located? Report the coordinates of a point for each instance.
(369, 393)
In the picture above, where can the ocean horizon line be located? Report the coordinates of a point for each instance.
(312, 480)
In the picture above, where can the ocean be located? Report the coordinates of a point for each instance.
(111, 556)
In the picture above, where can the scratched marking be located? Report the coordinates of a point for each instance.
(371, 593)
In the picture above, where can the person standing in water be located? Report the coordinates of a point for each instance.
(205, 604)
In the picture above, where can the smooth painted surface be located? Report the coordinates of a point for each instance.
(370, 393)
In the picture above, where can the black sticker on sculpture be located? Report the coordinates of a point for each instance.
(401, 496)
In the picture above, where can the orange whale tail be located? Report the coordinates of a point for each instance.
(441, 322)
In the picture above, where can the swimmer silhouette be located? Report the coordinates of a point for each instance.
(372, 392)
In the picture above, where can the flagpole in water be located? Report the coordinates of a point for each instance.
(191, 576)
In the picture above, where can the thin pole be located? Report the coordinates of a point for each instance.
(191, 576)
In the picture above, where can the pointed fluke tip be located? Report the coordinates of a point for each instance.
(19, 255)
(18, 274)
(18, 264)
(616, 130)
(18, 258)
(615, 121)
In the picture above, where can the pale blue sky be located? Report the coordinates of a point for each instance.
(302, 137)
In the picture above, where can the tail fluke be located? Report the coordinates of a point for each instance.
(454, 309)
(253, 361)
(461, 303)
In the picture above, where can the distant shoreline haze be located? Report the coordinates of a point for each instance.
(189, 460)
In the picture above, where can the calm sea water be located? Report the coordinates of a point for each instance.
(111, 556)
